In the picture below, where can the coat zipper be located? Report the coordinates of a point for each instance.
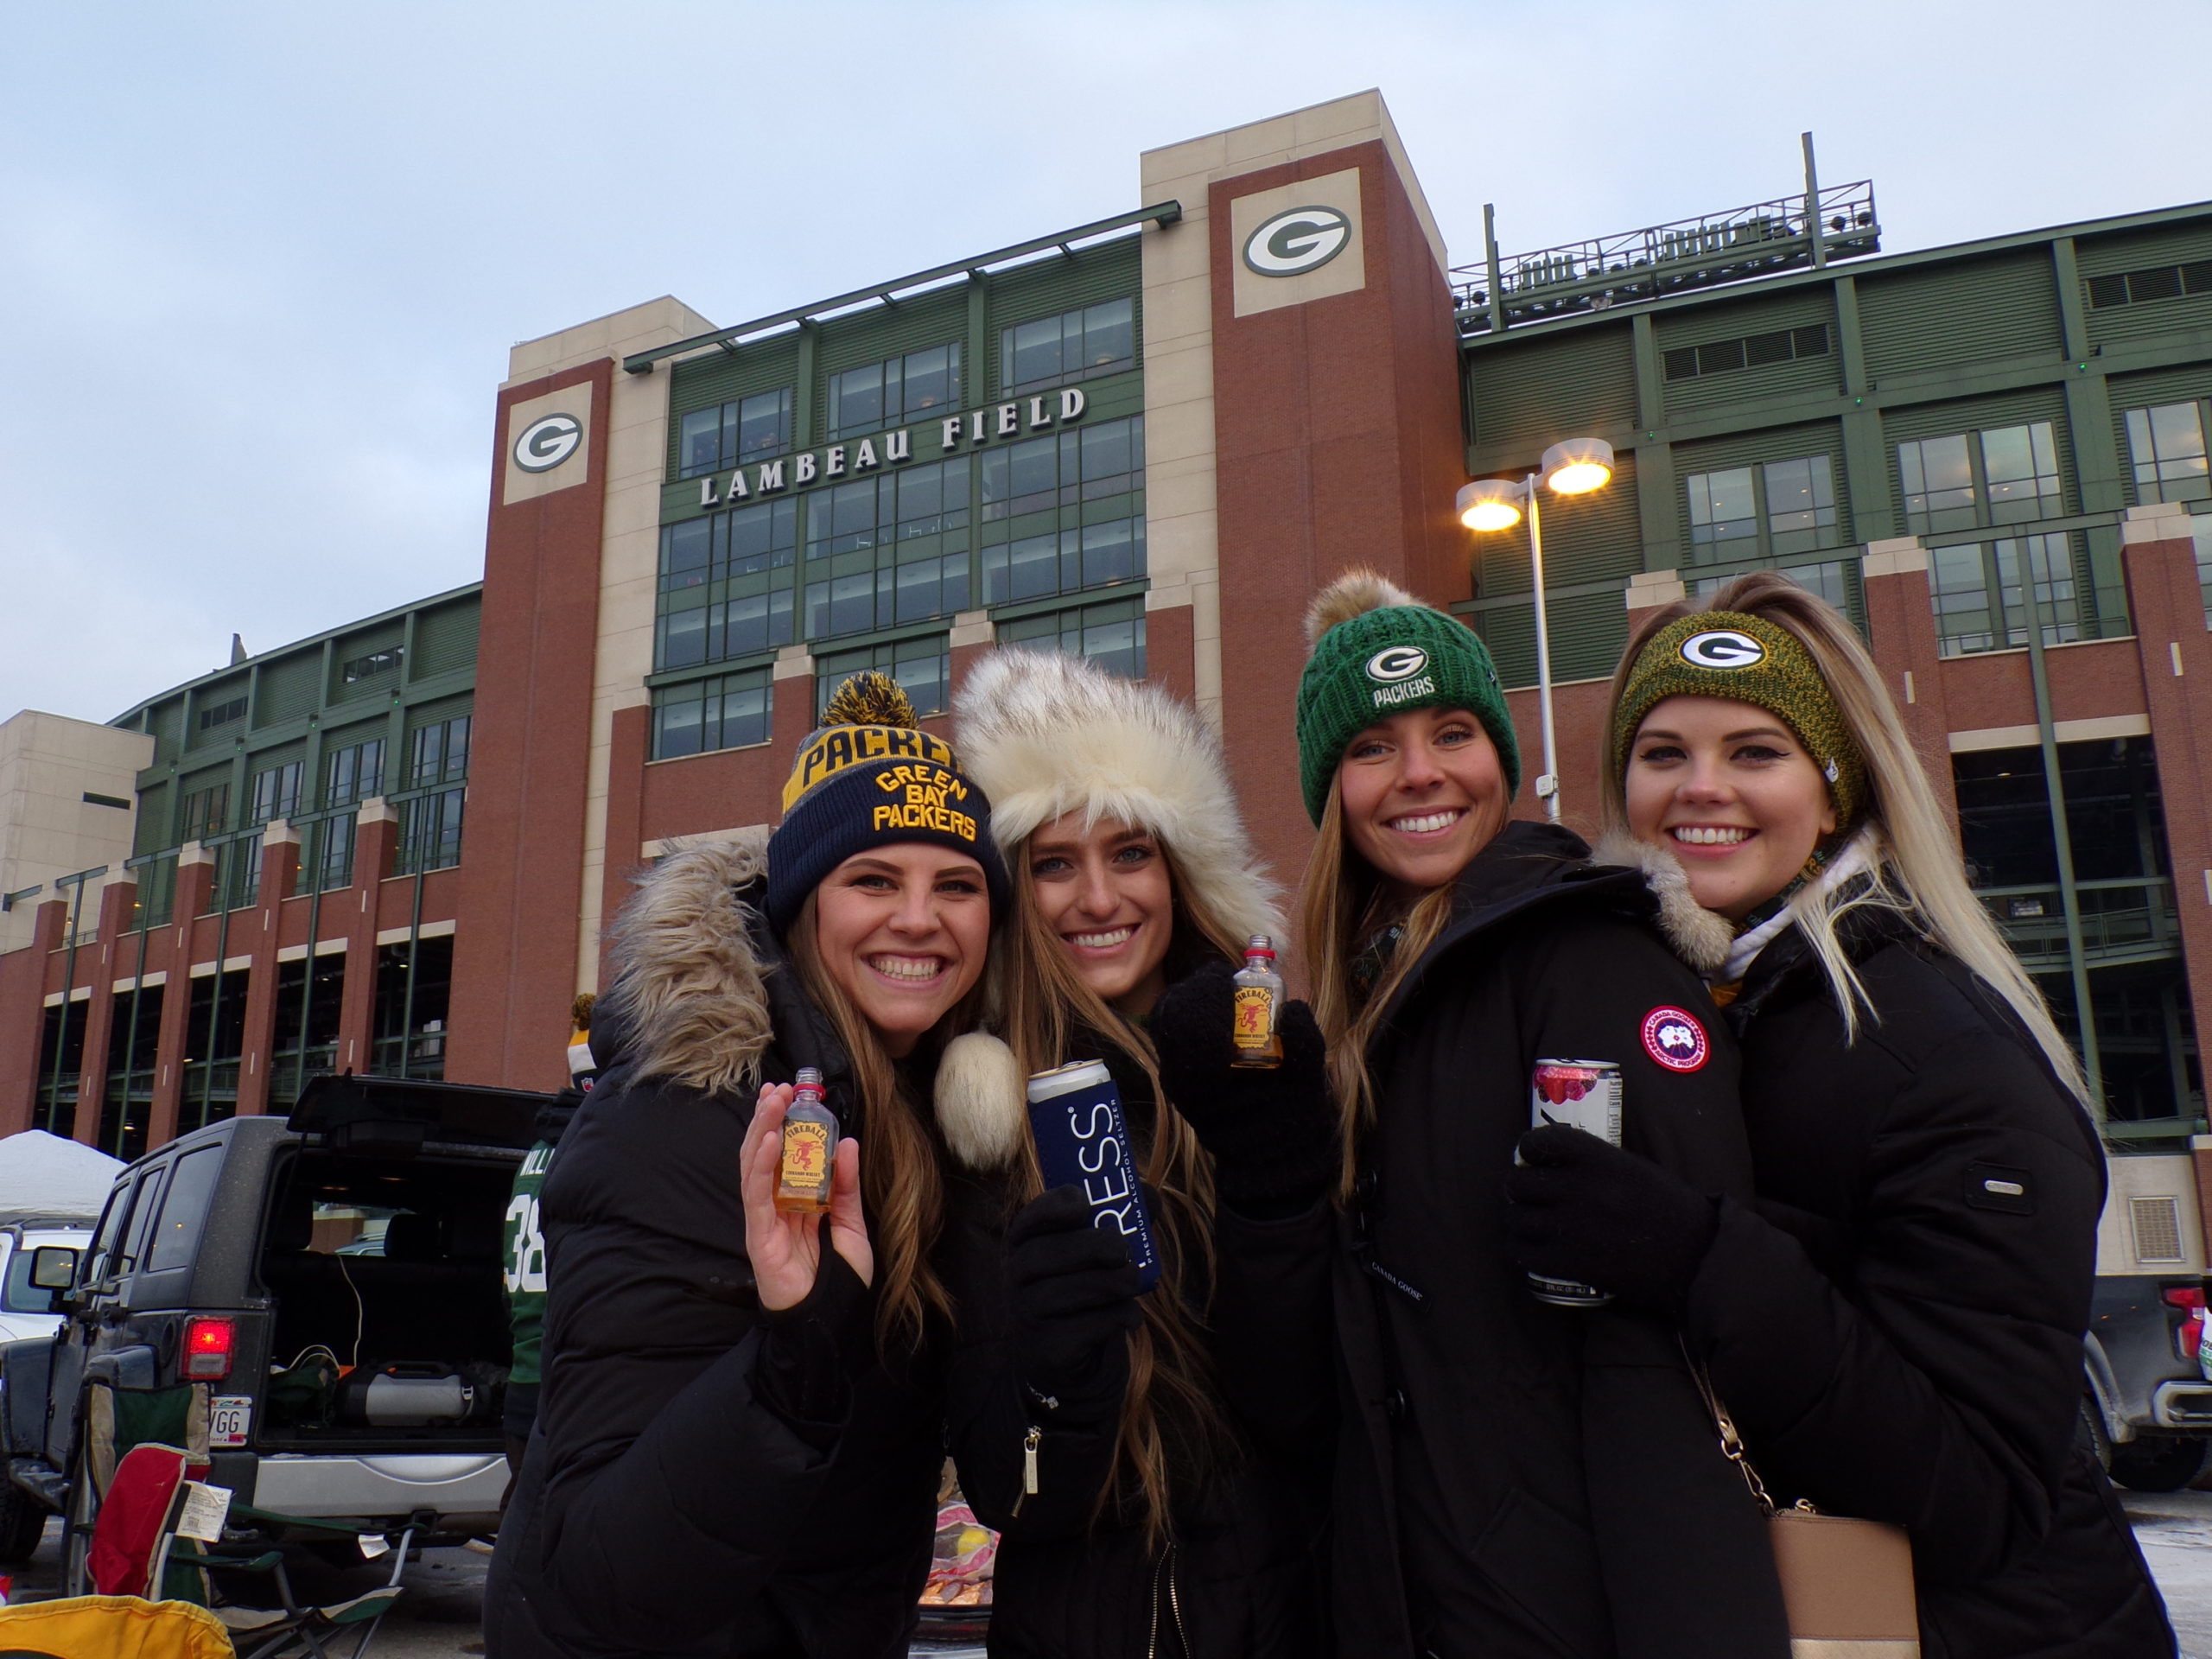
(1167, 1569)
(1029, 1444)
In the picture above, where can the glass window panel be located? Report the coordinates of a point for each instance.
(755, 623)
(1113, 551)
(2166, 446)
(1111, 452)
(841, 605)
(923, 668)
(1959, 589)
(1800, 503)
(1028, 569)
(2048, 563)
(1110, 334)
(2021, 465)
(699, 447)
(761, 538)
(856, 399)
(1722, 512)
(677, 730)
(683, 638)
(1938, 484)
(932, 379)
(932, 498)
(764, 425)
(686, 551)
(1029, 352)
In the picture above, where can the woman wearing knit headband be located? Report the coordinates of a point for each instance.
(1153, 1518)
(738, 1449)
(1514, 1478)
(1895, 1325)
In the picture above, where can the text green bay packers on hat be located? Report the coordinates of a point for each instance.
(1396, 668)
(928, 788)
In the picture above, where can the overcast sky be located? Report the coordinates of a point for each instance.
(260, 264)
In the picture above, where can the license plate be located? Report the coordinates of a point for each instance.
(230, 1419)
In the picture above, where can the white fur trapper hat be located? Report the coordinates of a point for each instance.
(1047, 734)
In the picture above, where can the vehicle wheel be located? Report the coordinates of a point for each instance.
(2093, 1437)
(2161, 1462)
(23, 1523)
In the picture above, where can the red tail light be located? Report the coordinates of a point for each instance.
(2190, 1297)
(208, 1347)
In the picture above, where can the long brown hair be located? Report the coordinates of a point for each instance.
(902, 1183)
(1341, 903)
(1169, 1414)
(1914, 865)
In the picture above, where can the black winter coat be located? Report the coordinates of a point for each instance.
(1240, 1579)
(669, 1504)
(1896, 1337)
(1545, 1481)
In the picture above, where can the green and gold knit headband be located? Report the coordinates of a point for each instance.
(1748, 659)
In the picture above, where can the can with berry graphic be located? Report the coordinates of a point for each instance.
(1585, 1095)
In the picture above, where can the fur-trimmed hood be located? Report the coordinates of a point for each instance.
(691, 978)
(1047, 734)
(698, 1007)
(1700, 936)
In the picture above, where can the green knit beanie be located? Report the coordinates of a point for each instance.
(1378, 651)
(1749, 660)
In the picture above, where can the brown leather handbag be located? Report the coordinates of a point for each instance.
(1847, 1584)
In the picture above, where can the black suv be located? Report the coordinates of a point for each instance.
(2148, 1408)
(319, 1297)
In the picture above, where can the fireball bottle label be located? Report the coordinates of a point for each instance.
(1257, 998)
(809, 1149)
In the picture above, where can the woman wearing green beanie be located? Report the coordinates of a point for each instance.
(1895, 1323)
(1513, 1477)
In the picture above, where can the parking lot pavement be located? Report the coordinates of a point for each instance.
(2175, 1530)
(441, 1612)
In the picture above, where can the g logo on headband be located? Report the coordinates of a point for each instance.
(1723, 648)
(1395, 663)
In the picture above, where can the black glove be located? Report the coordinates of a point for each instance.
(1272, 1132)
(1074, 1293)
(1580, 1210)
(811, 1352)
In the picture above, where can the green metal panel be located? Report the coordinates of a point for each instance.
(1967, 311)
(1586, 538)
(2166, 245)
(1587, 633)
(352, 647)
(156, 813)
(2173, 385)
(910, 326)
(1700, 325)
(290, 686)
(211, 697)
(165, 720)
(1059, 283)
(431, 713)
(1537, 391)
(445, 639)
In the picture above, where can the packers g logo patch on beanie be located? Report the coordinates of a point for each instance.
(1397, 672)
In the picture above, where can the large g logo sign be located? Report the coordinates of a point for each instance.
(1395, 663)
(1723, 648)
(548, 441)
(1302, 239)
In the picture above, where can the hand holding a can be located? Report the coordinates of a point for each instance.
(785, 1247)
(1582, 1211)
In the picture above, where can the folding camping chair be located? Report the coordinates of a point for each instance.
(111, 1627)
(136, 1552)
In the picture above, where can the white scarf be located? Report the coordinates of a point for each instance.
(1847, 863)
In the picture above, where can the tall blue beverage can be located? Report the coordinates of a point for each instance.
(1082, 1141)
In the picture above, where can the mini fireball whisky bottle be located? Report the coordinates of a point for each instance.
(809, 1150)
(1258, 999)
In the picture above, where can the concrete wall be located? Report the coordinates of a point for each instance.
(48, 765)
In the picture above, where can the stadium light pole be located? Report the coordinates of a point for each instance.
(1571, 467)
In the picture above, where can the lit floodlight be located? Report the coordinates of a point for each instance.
(1490, 502)
(1577, 466)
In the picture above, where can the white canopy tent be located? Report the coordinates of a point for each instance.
(46, 1176)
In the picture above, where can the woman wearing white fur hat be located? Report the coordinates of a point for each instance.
(1168, 1513)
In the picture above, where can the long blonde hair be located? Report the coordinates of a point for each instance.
(1169, 1413)
(901, 1177)
(1915, 866)
(1339, 906)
